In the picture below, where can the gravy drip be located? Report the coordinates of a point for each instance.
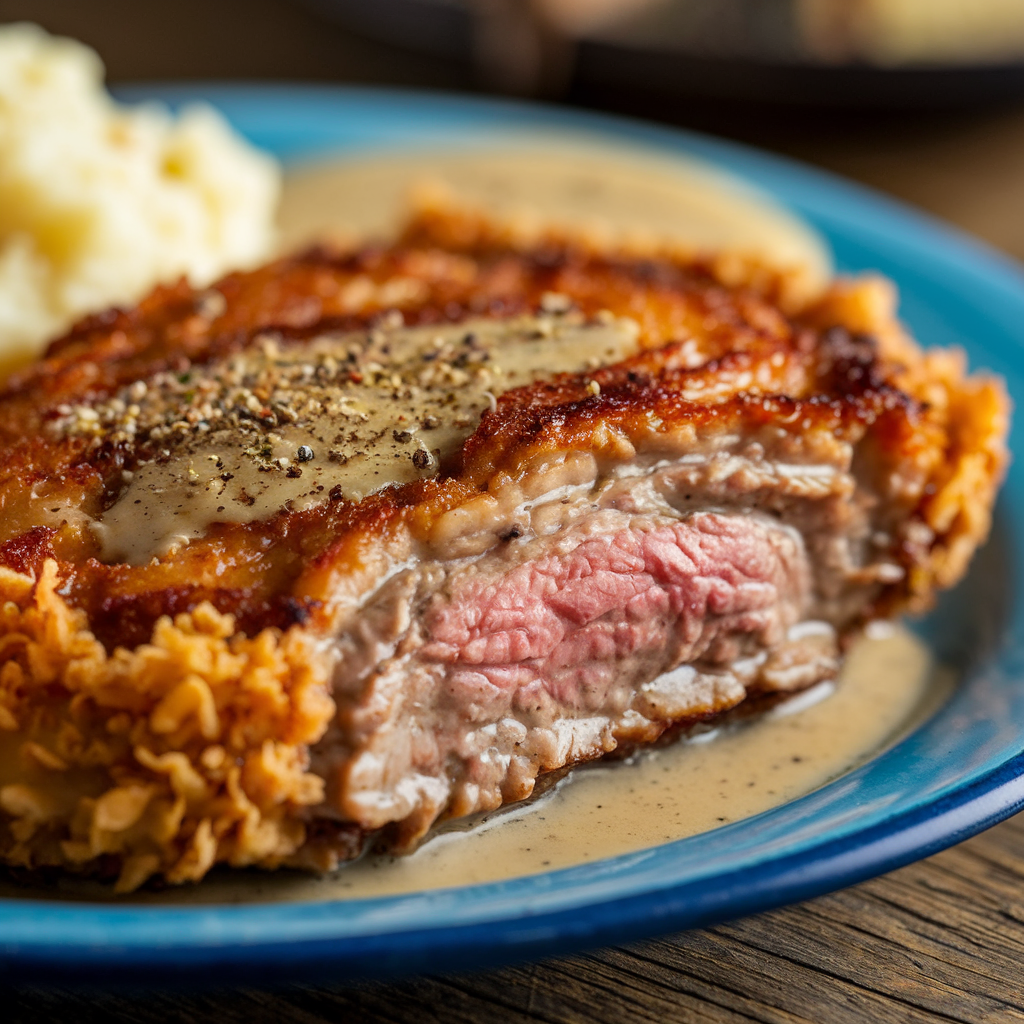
(679, 790)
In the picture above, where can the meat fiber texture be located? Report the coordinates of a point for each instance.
(610, 556)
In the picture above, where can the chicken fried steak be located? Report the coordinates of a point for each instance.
(358, 542)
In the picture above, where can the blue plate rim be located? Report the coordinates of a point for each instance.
(823, 866)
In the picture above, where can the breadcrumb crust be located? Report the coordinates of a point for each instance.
(185, 752)
(972, 410)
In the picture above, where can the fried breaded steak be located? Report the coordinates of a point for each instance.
(360, 541)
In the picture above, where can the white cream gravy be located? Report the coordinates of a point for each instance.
(287, 426)
(204, 473)
(539, 180)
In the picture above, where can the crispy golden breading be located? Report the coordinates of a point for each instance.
(183, 751)
(157, 718)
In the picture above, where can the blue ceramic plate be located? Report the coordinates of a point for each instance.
(955, 775)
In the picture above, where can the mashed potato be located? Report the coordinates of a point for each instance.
(98, 202)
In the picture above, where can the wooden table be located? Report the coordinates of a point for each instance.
(942, 940)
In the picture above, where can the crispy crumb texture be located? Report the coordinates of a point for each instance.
(188, 750)
(971, 410)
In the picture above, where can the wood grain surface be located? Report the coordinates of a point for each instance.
(942, 940)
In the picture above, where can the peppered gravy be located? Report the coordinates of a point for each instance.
(714, 778)
(292, 426)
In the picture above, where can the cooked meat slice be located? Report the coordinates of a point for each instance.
(358, 542)
(525, 661)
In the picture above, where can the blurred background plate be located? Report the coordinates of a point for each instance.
(905, 54)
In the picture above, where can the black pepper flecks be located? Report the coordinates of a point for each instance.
(277, 406)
